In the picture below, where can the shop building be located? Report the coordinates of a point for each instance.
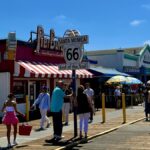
(133, 61)
(25, 66)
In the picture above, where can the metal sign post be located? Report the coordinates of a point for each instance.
(74, 107)
(73, 53)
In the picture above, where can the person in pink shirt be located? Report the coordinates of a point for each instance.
(10, 118)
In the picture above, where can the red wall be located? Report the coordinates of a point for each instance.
(26, 53)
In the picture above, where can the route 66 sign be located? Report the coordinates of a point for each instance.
(73, 53)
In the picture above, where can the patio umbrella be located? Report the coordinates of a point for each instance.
(123, 80)
(148, 82)
(132, 81)
(116, 79)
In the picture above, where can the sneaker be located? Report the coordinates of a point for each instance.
(85, 136)
(65, 124)
(50, 140)
(90, 121)
(57, 139)
(9, 145)
(15, 143)
(48, 125)
(40, 129)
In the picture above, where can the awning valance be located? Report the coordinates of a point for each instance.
(46, 70)
(106, 72)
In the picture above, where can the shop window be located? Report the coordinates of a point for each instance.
(20, 91)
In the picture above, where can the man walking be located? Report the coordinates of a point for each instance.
(90, 94)
(58, 95)
(44, 104)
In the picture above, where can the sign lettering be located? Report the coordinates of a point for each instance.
(83, 65)
(73, 40)
(47, 43)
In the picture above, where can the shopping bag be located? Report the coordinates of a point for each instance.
(25, 129)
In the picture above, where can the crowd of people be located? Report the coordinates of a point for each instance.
(59, 104)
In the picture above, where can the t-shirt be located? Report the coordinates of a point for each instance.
(89, 92)
(67, 92)
(117, 92)
(57, 99)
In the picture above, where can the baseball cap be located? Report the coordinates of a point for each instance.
(44, 88)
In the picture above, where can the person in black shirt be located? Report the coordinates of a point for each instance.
(66, 105)
(83, 106)
(147, 101)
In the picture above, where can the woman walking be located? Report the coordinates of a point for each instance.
(10, 118)
(83, 110)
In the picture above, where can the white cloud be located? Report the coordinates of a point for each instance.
(60, 19)
(136, 22)
(147, 6)
(63, 20)
(147, 42)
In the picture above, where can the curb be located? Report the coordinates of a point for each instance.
(73, 144)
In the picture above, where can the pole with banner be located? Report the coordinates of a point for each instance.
(73, 53)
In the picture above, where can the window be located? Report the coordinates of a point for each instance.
(20, 91)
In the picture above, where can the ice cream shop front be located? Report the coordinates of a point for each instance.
(25, 66)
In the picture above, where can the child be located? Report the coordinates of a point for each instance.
(10, 117)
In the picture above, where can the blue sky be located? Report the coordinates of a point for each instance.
(109, 23)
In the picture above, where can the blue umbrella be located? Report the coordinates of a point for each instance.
(131, 81)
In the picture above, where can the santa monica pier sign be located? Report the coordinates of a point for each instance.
(73, 52)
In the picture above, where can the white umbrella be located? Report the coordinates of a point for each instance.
(116, 79)
(124, 80)
(148, 82)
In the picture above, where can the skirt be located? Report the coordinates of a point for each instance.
(10, 118)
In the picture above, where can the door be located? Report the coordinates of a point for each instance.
(32, 92)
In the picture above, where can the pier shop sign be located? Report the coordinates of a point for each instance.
(46, 44)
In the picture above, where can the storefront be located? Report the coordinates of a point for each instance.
(132, 61)
(33, 64)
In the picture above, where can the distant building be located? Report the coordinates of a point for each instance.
(134, 61)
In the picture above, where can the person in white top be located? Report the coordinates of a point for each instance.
(117, 94)
(44, 105)
(90, 94)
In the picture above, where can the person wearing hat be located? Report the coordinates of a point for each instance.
(44, 105)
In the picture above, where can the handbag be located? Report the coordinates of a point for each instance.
(25, 129)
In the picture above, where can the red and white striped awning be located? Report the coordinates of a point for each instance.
(46, 70)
